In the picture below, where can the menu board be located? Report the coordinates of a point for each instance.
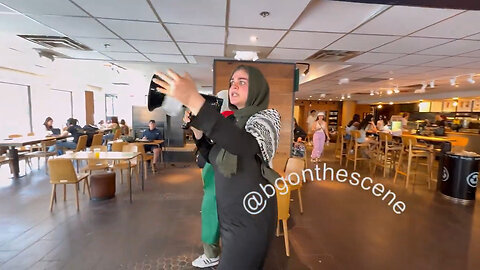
(424, 107)
(448, 106)
(464, 105)
(476, 105)
(436, 106)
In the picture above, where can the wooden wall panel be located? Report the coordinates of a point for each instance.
(89, 108)
(280, 77)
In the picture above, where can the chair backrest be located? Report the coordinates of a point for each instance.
(31, 134)
(82, 143)
(117, 134)
(118, 146)
(295, 165)
(102, 148)
(12, 136)
(283, 204)
(47, 143)
(97, 139)
(131, 147)
(61, 171)
(355, 134)
(409, 141)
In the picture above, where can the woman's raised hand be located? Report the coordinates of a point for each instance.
(182, 88)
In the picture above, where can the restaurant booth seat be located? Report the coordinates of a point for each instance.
(63, 173)
(102, 185)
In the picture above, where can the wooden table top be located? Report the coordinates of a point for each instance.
(102, 156)
(434, 139)
(28, 140)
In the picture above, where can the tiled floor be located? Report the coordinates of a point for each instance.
(343, 227)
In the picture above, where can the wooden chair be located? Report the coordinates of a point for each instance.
(95, 164)
(63, 173)
(295, 165)
(13, 136)
(45, 145)
(146, 158)
(340, 145)
(283, 206)
(354, 147)
(118, 146)
(117, 134)
(81, 143)
(411, 150)
(122, 165)
(386, 152)
(97, 139)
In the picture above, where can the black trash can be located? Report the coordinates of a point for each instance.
(459, 176)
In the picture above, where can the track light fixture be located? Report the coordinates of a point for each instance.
(432, 84)
(453, 81)
(395, 90)
(470, 79)
(371, 93)
(306, 70)
(349, 96)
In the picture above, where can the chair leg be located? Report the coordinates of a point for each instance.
(53, 197)
(300, 202)
(121, 176)
(278, 228)
(88, 188)
(355, 158)
(64, 192)
(76, 197)
(409, 164)
(285, 235)
(399, 165)
(145, 163)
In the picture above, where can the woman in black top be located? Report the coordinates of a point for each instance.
(241, 152)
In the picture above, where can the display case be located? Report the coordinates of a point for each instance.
(332, 120)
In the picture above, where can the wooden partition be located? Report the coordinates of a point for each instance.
(280, 77)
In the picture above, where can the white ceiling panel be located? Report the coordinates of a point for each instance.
(382, 68)
(411, 45)
(83, 54)
(332, 16)
(137, 30)
(241, 36)
(308, 40)
(473, 37)
(373, 58)
(412, 60)
(124, 9)
(202, 49)
(5, 9)
(290, 54)
(453, 48)
(450, 62)
(19, 24)
(163, 47)
(403, 20)
(98, 44)
(76, 26)
(197, 33)
(472, 54)
(119, 56)
(204, 12)
(45, 7)
(246, 13)
(414, 70)
(166, 58)
(359, 74)
(362, 43)
(457, 27)
(191, 59)
(475, 65)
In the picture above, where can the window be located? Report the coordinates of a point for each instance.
(110, 101)
(15, 114)
(61, 106)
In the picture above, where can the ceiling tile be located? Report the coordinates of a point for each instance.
(473, 37)
(202, 49)
(124, 9)
(403, 20)
(457, 27)
(308, 40)
(453, 48)
(333, 16)
(360, 74)
(450, 62)
(163, 47)
(83, 54)
(414, 70)
(382, 68)
(191, 59)
(45, 7)
(21, 25)
(98, 44)
(119, 56)
(362, 43)
(283, 13)
(75, 26)
(414, 59)
(205, 12)
(137, 30)
(472, 54)
(197, 33)
(5, 9)
(411, 45)
(373, 58)
(475, 65)
(241, 36)
(290, 54)
(166, 58)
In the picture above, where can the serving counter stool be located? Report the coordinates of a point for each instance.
(340, 145)
(386, 152)
(354, 147)
(410, 151)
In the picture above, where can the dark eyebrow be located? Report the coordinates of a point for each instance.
(243, 78)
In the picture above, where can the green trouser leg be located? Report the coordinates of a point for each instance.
(211, 250)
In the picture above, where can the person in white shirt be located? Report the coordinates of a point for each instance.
(310, 120)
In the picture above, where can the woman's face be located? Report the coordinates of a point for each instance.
(50, 123)
(238, 92)
(320, 118)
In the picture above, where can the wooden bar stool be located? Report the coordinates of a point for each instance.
(283, 213)
(296, 165)
(410, 151)
(386, 152)
(340, 145)
(354, 147)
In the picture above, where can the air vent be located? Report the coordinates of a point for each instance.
(120, 83)
(56, 42)
(333, 55)
(369, 80)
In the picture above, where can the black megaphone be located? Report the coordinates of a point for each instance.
(155, 98)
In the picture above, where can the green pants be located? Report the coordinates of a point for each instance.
(210, 225)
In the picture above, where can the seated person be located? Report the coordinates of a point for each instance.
(76, 131)
(153, 133)
(114, 126)
(298, 132)
(352, 125)
(123, 126)
(299, 148)
(101, 125)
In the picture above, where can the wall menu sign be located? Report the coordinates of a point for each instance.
(476, 105)
(448, 106)
(464, 105)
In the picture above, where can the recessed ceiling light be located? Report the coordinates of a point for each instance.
(296, 98)
(395, 90)
(348, 96)
(253, 38)
(432, 84)
(391, 79)
(389, 92)
(330, 99)
(379, 106)
(371, 93)
(391, 103)
(310, 96)
(343, 96)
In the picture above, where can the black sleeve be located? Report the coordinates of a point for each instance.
(224, 132)
(203, 146)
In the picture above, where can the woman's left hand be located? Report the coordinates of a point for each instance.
(181, 88)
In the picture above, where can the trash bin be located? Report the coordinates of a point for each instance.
(459, 176)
